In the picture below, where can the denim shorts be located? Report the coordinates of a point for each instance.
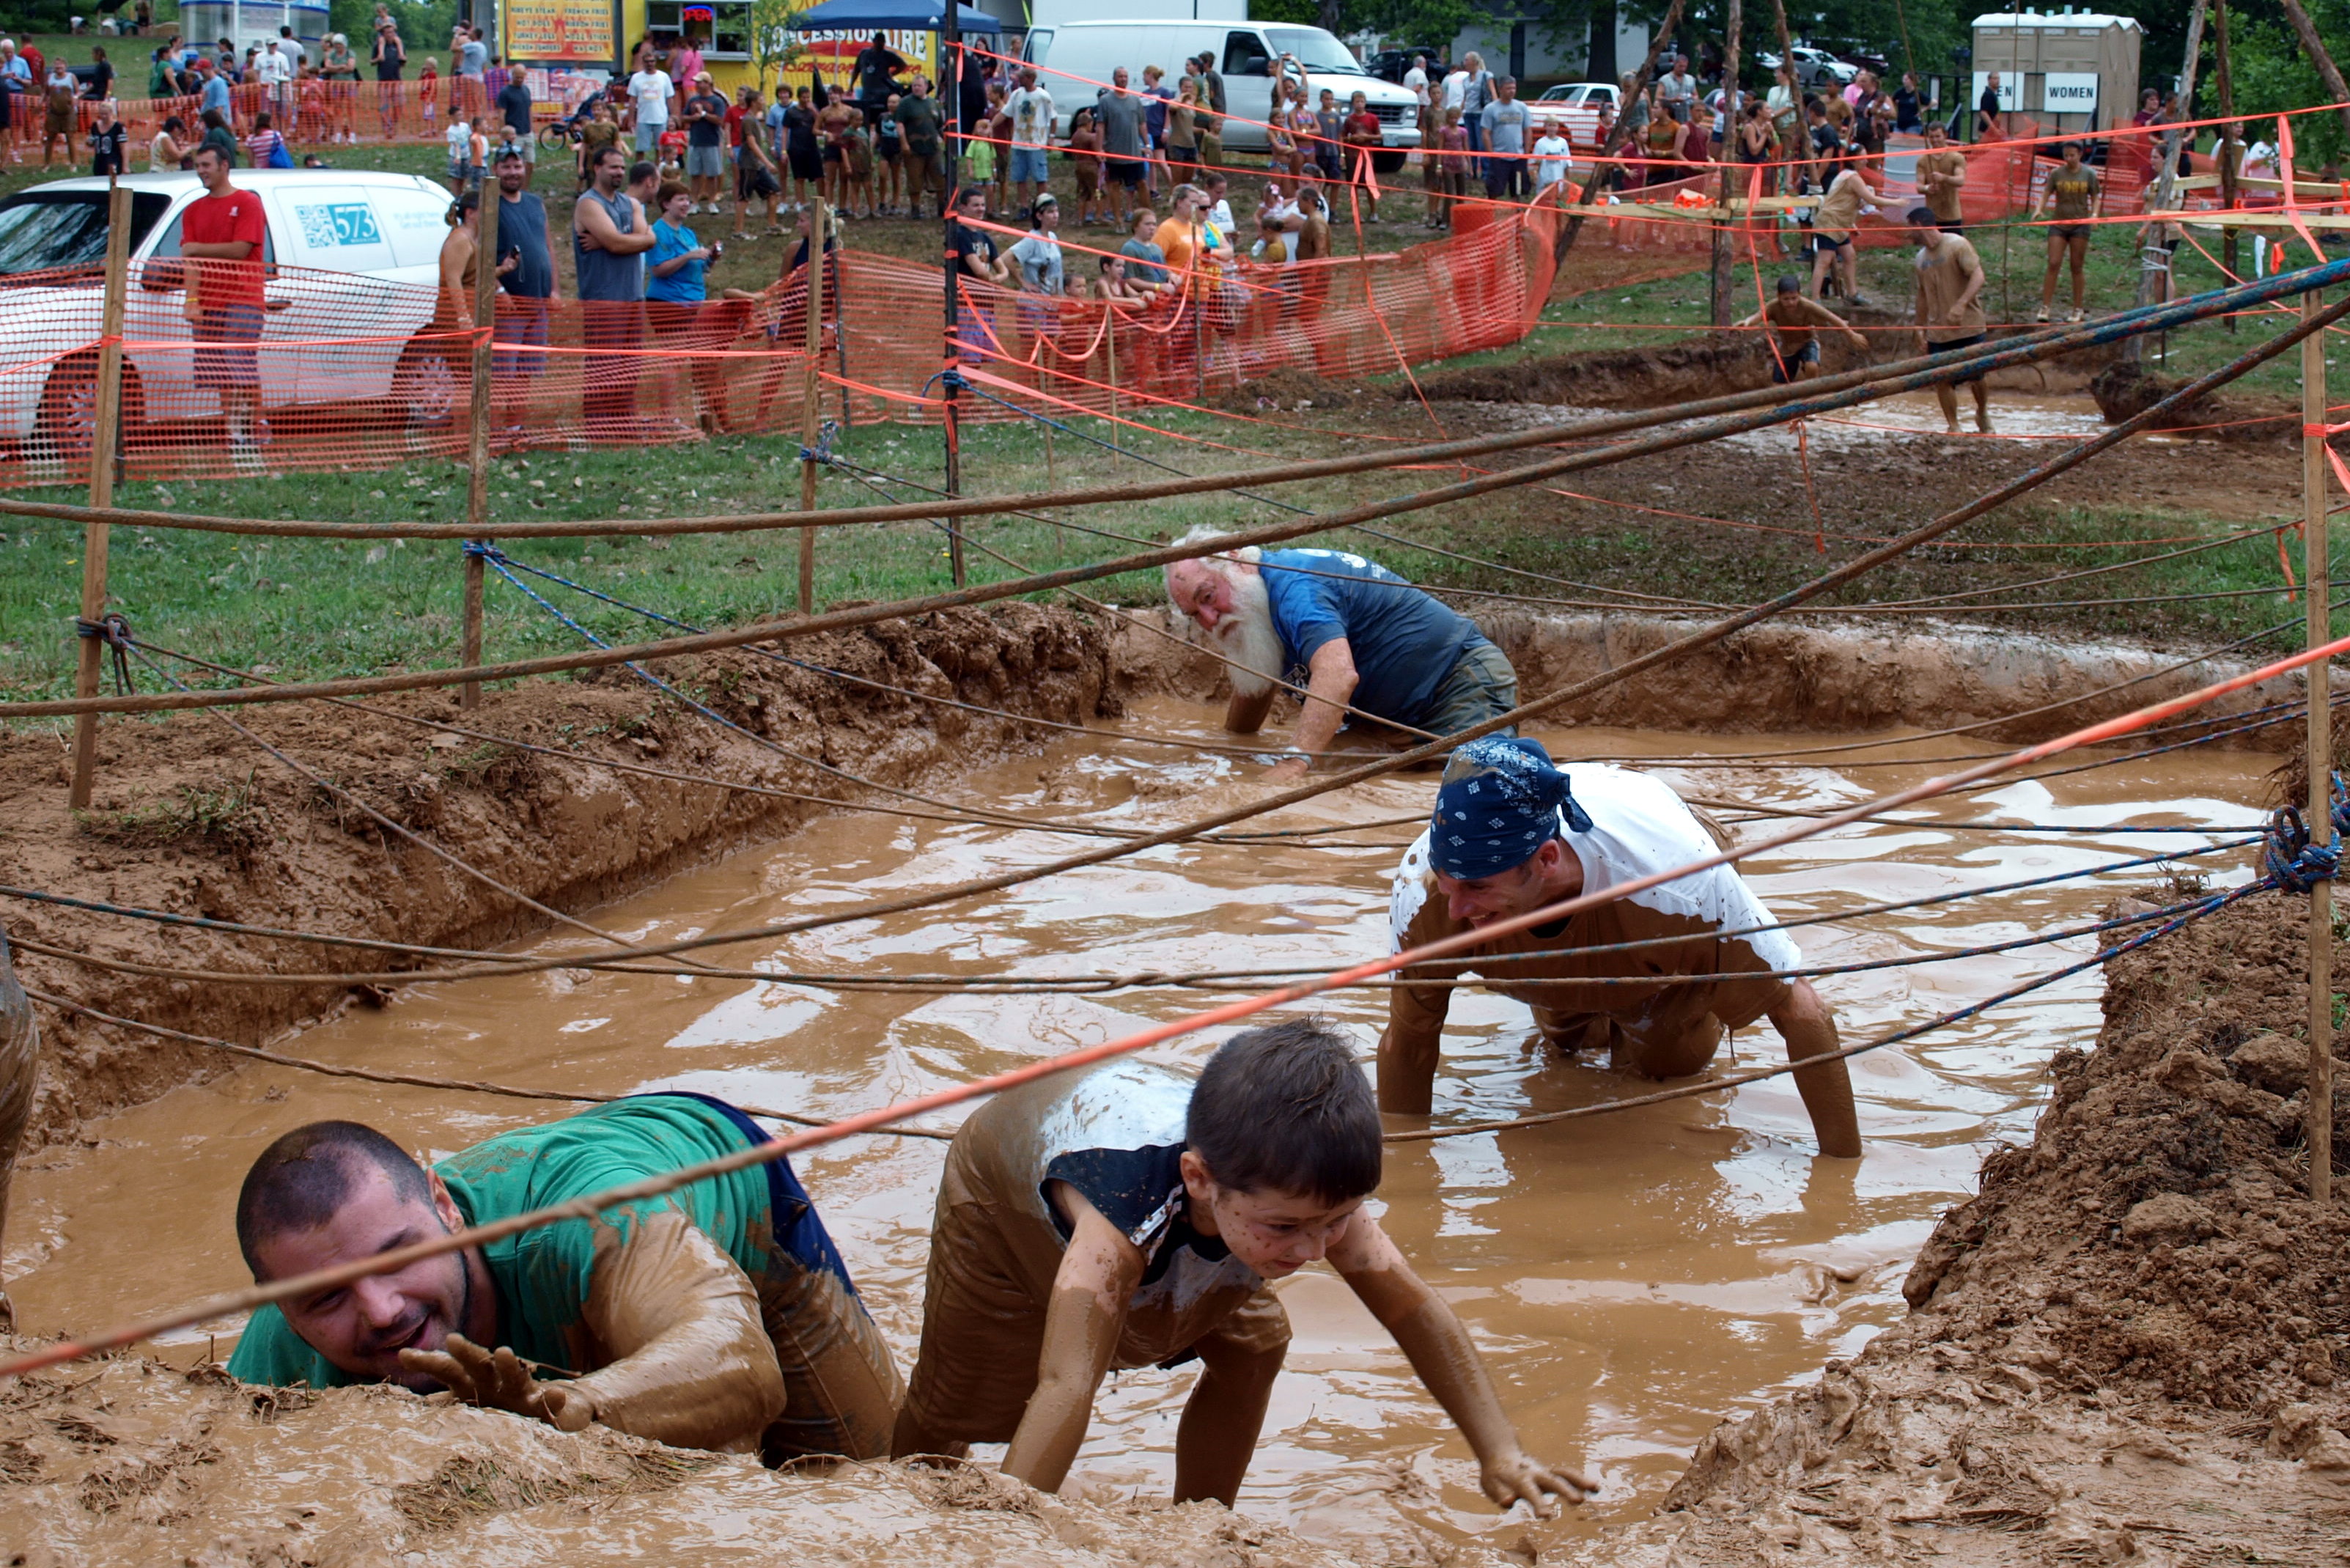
(648, 135)
(1028, 166)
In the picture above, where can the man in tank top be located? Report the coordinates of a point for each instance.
(1130, 1216)
(608, 232)
(1509, 836)
(716, 1316)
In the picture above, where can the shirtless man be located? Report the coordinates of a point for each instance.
(1508, 836)
(1794, 323)
(717, 1316)
(1949, 306)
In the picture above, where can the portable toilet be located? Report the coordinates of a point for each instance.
(2066, 70)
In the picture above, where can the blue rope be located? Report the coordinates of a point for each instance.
(2297, 862)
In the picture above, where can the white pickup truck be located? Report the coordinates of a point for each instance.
(353, 255)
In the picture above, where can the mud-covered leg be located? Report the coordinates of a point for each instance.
(20, 1061)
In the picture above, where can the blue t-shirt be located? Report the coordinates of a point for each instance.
(683, 286)
(216, 95)
(1403, 642)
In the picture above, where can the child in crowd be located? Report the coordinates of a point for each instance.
(428, 91)
(1085, 155)
(1452, 159)
(1130, 1216)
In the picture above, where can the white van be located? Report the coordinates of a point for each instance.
(1086, 52)
(368, 244)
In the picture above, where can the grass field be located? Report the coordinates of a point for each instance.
(319, 608)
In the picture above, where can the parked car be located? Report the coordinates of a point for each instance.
(1089, 51)
(1576, 105)
(1390, 64)
(368, 244)
(1857, 55)
(1815, 68)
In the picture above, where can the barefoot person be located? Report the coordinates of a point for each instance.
(1131, 1216)
(1364, 637)
(1949, 306)
(1796, 322)
(1508, 836)
(717, 1316)
(2069, 207)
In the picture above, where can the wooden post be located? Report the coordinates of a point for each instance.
(2227, 141)
(2165, 181)
(2320, 1135)
(2338, 90)
(1725, 260)
(811, 397)
(106, 421)
(477, 481)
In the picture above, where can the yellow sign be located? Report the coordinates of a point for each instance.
(833, 54)
(556, 32)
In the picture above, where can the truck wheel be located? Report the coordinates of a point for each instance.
(67, 426)
(428, 386)
(1388, 162)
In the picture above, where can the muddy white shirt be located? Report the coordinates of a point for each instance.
(1638, 825)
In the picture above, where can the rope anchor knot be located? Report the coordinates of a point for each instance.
(2295, 863)
(114, 630)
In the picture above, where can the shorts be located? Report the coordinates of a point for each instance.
(522, 321)
(225, 356)
(529, 146)
(704, 162)
(1027, 166)
(888, 149)
(2069, 232)
(1126, 172)
(1958, 343)
(1088, 177)
(61, 123)
(1481, 685)
(648, 135)
(1828, 243)
(831, 153)
(1782, 364)
(753, 180)
(1950, 225)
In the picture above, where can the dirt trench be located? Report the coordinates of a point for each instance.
(2132, 1346)
(190, 819)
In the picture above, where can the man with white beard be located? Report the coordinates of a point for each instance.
(1363, 638)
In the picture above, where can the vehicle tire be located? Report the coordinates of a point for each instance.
(67, 426)
(557, 136)
(1389, 163)
(430, 386)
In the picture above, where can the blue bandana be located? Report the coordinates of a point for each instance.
(1500, 802)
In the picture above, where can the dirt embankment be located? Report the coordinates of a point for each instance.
(2132, 1346)
(127, 1461)
(190, 819)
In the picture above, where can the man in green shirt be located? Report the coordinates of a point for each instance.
(717, 1316)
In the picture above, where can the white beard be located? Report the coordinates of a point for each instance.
(1246, 637)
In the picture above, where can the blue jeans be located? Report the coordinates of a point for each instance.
(1027, 166)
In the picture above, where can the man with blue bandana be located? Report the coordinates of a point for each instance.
(1508, 836)
(1363, 637)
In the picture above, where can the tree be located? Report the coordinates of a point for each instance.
(2273, 75)
(773, 27)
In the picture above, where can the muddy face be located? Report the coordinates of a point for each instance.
(1275, 1233)
(1632, 1279)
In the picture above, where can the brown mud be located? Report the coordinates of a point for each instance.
(189, 817)
(2124, 391)
(2132, 1346)
(128, 1463)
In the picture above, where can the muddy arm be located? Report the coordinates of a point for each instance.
(1807, 1026)
(20, 1063)
(691, 1363)
(1410, 1049)
(1441, 1351)
(1097, 1278)
(1246, 715)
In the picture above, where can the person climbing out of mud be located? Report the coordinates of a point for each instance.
(20, 1066)
(718, 1316)
(1364, 637)
(1795, 322)
(1510, 834)
(1131, 1216)
(1950, 308)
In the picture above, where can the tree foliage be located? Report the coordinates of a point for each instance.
(2272, 75)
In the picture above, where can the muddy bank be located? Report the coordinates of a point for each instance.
(1788, 676)
(2124, 391)
(190, 819)
(131, 1461)
(2132, 1346)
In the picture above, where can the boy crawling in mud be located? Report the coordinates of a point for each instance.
(718, 1316)
(1130, 1216)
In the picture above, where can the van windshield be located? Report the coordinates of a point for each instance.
(1316, 50)
(43, 230)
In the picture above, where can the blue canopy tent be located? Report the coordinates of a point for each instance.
(869, 17)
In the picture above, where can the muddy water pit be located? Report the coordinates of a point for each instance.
(1633, 1279)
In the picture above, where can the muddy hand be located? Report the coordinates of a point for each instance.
(499, 1381)
(1515, 1477)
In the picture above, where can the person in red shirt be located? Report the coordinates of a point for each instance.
(1361, 133)
(224, 236)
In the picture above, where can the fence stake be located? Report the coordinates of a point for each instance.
(811, 394)
(477, 482)
(2320, 1136)
(105, 422)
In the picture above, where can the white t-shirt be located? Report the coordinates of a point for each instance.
(460, 141)
(1551, 154)
(1031, 109)
(1221, 214)
(650, 90)
(1456, 88)
(291, 48)
(1415, 82)
(270, 68)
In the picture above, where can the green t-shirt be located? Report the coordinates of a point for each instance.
(918, 118)
(2075, 193)
(542, 1276)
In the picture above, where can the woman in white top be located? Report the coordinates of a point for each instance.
(167, 153)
